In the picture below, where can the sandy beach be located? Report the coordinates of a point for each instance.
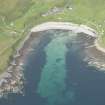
(69, 26)
(65, 26)
(23, 49)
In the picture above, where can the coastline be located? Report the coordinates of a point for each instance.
(11, 81)
(69, 26)
(65, 26)
(15, 85)
(98, 46)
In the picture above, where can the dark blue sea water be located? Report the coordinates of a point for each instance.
(56, 74)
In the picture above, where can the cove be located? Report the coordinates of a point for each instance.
(57, 74)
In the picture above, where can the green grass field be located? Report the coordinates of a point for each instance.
(18, 16)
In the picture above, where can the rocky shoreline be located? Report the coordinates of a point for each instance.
(12, 80)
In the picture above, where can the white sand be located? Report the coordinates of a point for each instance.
(58, 25)
(69, 26)
(64, 26)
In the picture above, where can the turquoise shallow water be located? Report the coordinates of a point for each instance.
(56, 74)
(52, 83)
